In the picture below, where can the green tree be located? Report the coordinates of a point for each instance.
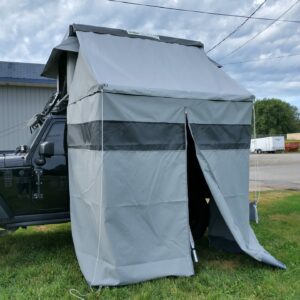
(275, 116)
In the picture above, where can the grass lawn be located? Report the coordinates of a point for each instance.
(39, 263)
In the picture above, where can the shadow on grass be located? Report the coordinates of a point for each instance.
(32, 246)
(212, 258)
(39, 246)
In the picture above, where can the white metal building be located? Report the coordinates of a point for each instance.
(23, 93)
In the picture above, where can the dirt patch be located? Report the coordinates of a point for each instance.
(286, 218)
(267, 197)
(225, 264)
(41, 228)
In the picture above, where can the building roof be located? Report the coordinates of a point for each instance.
(23, 73)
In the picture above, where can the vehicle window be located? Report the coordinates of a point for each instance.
(34, 134)
(56, 136)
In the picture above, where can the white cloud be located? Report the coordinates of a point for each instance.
(31, 28)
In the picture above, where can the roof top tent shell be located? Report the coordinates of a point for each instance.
(128, 101)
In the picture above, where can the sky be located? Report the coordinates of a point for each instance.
(29, 29)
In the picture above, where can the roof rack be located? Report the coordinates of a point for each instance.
(55, 105)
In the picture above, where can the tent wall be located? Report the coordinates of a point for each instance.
(129, 193)
(130, 190)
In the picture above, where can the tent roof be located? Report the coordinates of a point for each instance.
(70, 43)
(130, 63)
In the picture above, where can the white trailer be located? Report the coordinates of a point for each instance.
(268, 144)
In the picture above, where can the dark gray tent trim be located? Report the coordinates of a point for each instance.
(127, 136)
(124, 33)
(215, 136)
(156, 136)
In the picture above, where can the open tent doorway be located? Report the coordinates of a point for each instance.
(199, 194)
(204, 213)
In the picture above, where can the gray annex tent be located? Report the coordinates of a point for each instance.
(132, 101)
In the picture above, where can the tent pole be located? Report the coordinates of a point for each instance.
(257, 185)
(195, 256)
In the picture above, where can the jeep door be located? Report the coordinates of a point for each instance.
(50, 187)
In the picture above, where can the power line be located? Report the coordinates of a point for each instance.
(11, 131)
(12, 127)
(261, 59)
(237, 28)
(202, 11)
(260, 32)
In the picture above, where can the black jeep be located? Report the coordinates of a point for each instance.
(34, 179)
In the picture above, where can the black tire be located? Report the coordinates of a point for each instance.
(199, 218)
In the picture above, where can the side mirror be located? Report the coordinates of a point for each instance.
(46, 149)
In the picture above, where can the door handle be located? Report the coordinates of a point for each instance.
(38, 172)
